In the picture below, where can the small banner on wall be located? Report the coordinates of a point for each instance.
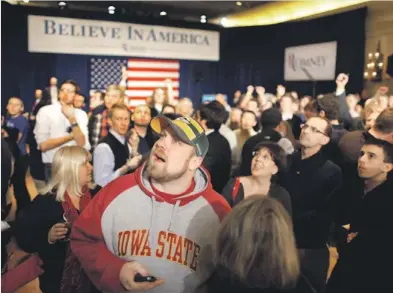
(311, 62)
(92, 37)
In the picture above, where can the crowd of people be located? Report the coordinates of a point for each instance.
(232, 196)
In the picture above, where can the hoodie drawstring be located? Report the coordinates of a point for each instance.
(152, 219)
(174, 211)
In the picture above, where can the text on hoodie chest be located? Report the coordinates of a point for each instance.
(169, 246)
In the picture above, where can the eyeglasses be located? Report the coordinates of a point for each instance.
(313, 129)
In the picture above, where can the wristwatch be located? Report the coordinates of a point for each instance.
(69, 128)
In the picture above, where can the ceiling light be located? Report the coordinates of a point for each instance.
(62, 4)
(203, 20)
(224, 21)
(111, 9)
(163, 13)
(238, 3)
(26, 1)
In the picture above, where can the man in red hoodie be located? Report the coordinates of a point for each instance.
(159, 221)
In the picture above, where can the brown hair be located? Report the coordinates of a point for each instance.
(118, 107)
(384, 122)
(256, 245)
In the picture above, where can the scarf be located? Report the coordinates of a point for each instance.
(74, 278)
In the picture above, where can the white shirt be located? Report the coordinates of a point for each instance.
(51, 123)
(287, 116)
(104, 162)
(229, 135)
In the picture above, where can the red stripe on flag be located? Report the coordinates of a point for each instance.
(149, 79)
(133, 88)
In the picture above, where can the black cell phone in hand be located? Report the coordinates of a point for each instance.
(140, 279)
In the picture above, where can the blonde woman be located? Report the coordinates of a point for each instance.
(45, 225)
(255, 251)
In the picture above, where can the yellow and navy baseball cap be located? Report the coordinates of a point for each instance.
(186, 129)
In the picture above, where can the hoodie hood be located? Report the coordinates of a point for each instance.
(201, 183)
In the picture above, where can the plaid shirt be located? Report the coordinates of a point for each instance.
(98, 126)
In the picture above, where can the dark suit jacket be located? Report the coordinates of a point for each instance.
(218, 160)
(46, 94)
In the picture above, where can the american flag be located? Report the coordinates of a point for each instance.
(142, 76)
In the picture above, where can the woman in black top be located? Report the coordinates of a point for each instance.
(268, 159)
(45, 225)
(255, 251)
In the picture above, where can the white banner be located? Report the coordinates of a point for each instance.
(93, 37)
(311, 62)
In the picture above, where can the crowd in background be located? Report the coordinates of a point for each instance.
(287, 177)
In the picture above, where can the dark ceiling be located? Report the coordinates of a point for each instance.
(176, 10)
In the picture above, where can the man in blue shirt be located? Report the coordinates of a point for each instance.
(15, 120)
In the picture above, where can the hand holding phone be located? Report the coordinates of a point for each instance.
(134, 277)
(140, 279)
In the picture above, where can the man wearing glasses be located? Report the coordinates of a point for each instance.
(60, 124)
(312, 182)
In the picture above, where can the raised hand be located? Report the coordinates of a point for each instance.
(68, 111)
(342, 80)
(260, 90)
(250, 89)
(134, 162)
(280, 90)
(134, 139)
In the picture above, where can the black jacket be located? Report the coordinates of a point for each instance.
(295, 124)
(331, 151)
(365, 263)
(275, 191)
(218, 160)
(312, 184)
(31, 229)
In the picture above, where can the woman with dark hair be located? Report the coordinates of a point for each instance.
(268, 159)
(255, 251)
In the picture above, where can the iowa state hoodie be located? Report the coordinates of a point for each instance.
(129, 220)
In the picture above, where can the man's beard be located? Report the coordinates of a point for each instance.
(162, 176)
